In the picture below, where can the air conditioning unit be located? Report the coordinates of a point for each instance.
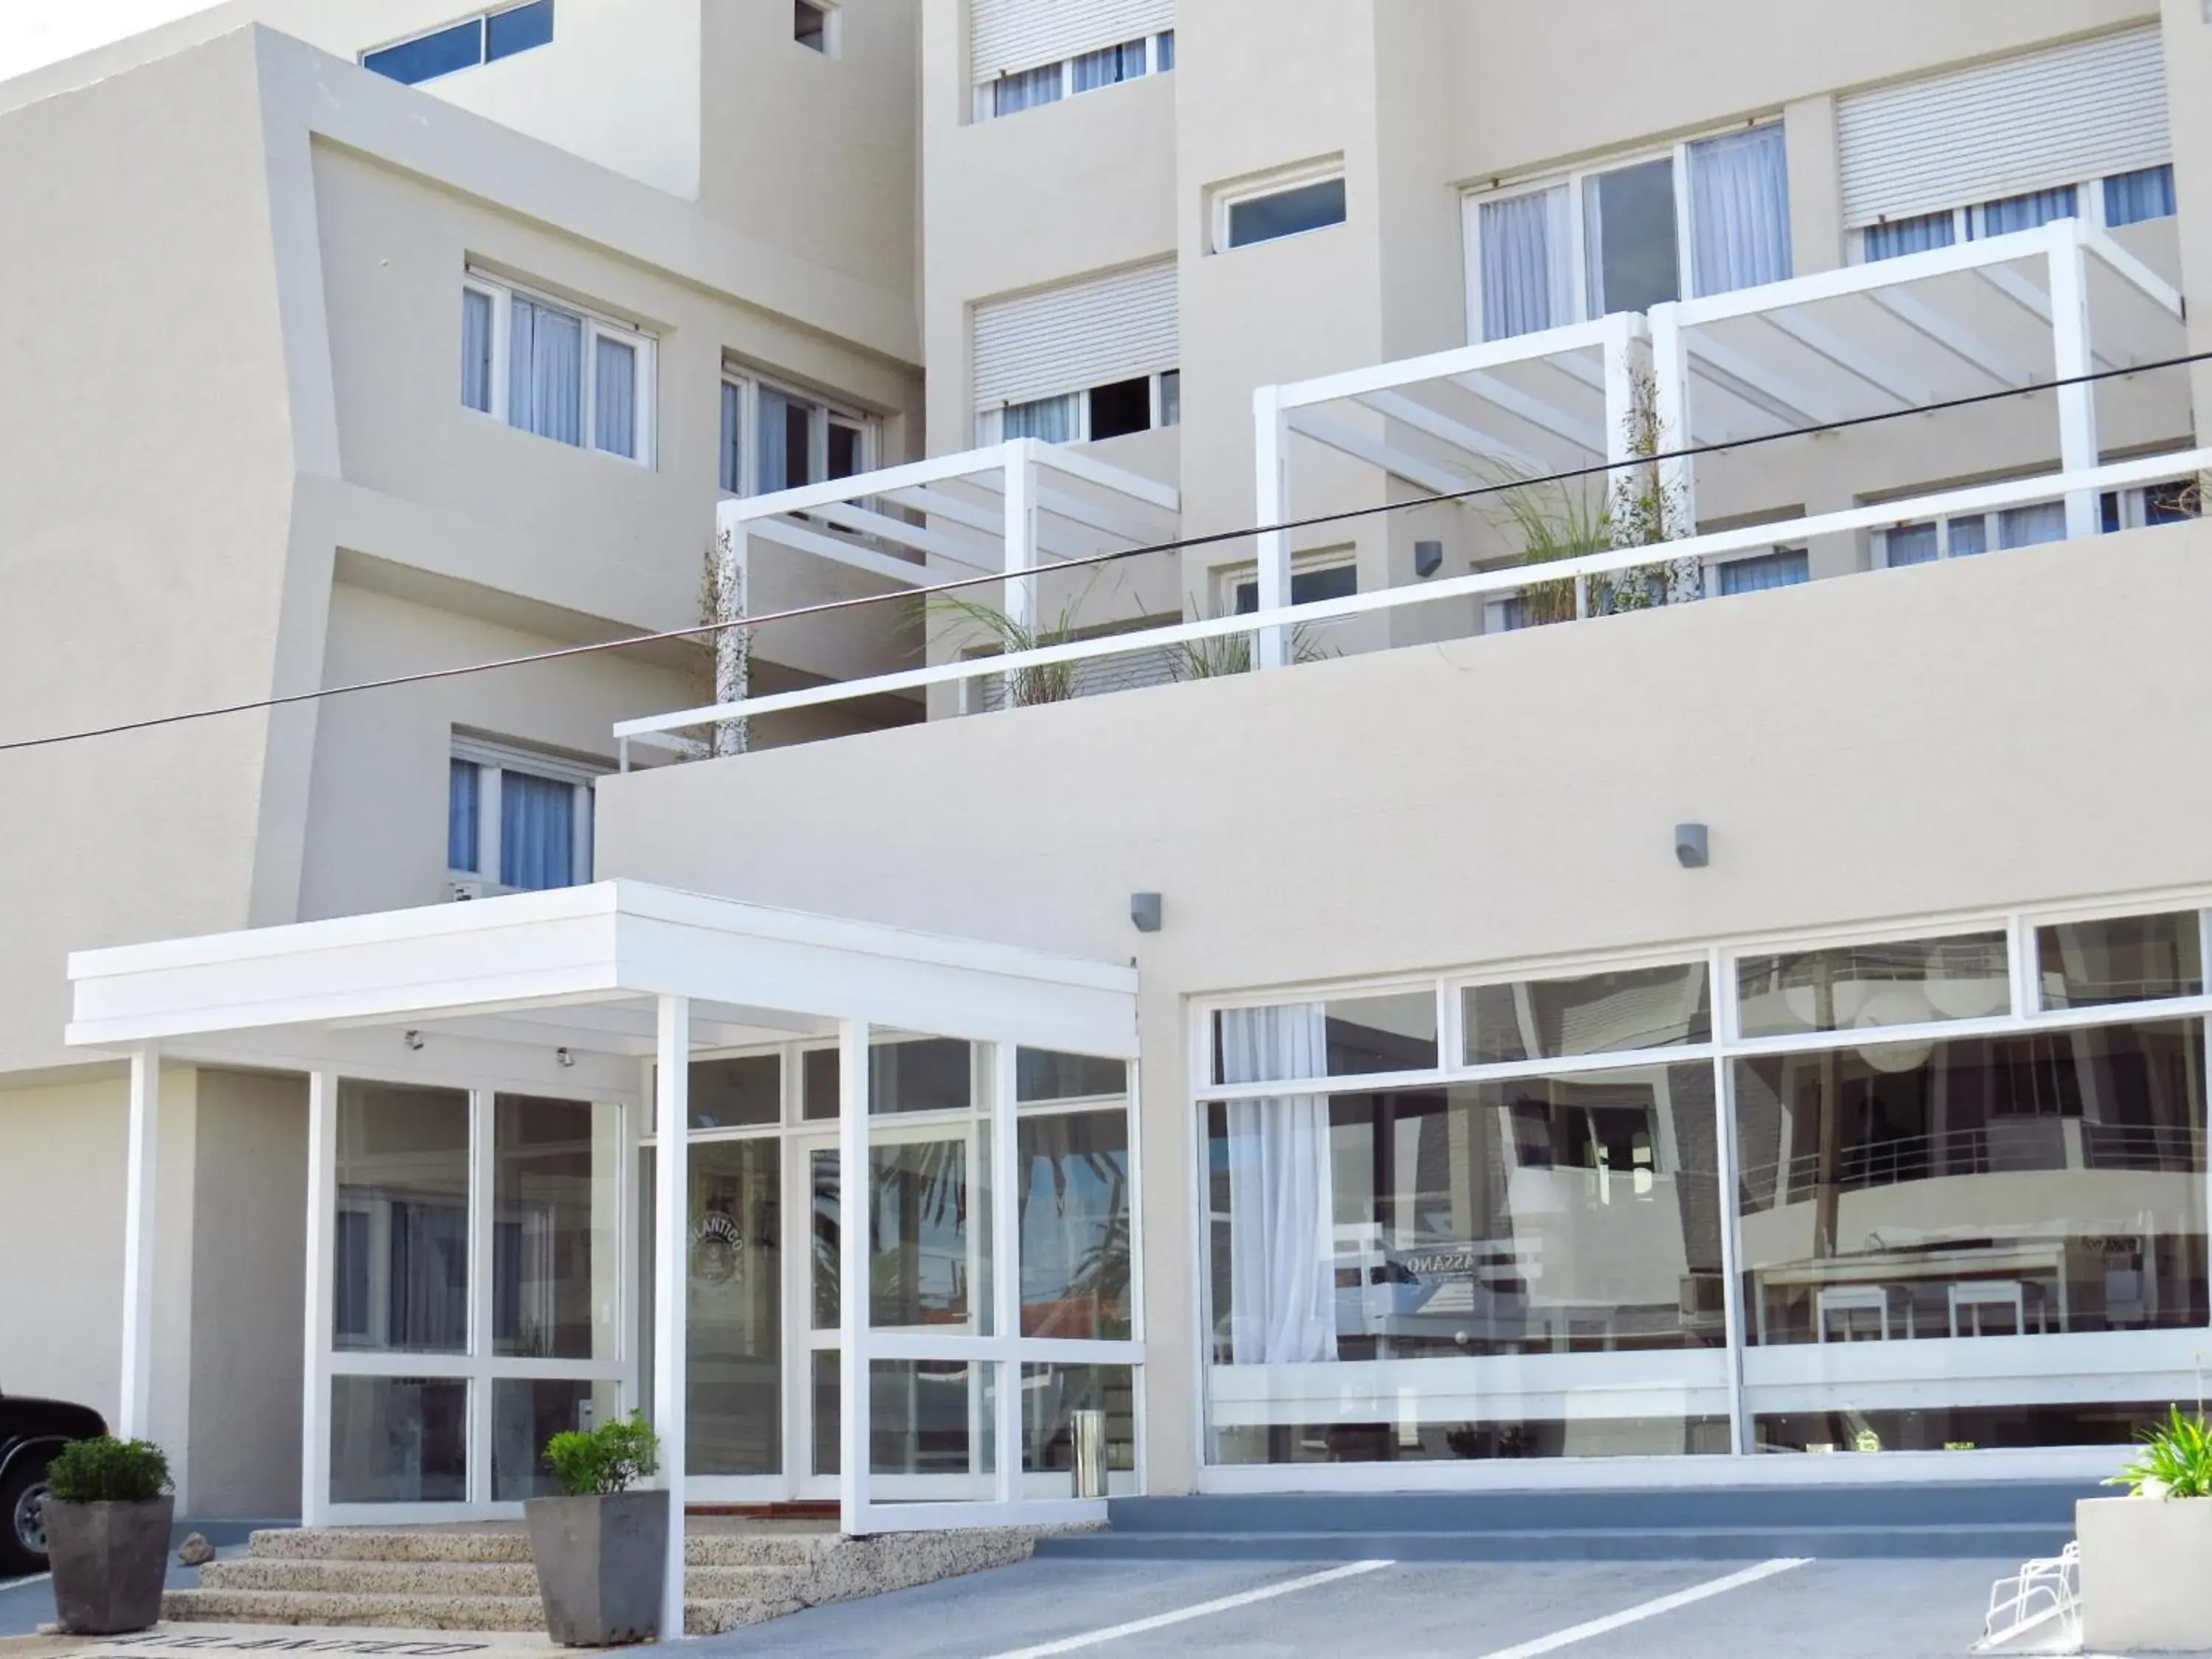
(459, 891)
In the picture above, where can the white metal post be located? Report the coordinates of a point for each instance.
(853, 1184)
(2070, 336)
(134, 1421)
(483, 1337)
(315, 1362)
(1020, 534)
(1006, 1268)
(733, 647)
(1670, 383)
(671, 1191)
(1271, 442)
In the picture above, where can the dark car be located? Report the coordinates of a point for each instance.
(31, 1432)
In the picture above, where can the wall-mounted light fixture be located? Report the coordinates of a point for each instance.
(1429, 557)
(1693, 846)
(564, 1057)
(413, 1039)
(1145, 911)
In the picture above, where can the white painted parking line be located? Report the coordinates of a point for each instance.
(1651, 1609)
(1160, 1621)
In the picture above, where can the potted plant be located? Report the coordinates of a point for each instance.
(601, 1549)
(108, 1509)
(2143, 1582)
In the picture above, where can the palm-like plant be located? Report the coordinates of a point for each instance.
(2176, 1460)
(1051, 682)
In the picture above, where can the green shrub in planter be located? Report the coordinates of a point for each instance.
(108, 1510)
(602, 1550)
(2176, 1459)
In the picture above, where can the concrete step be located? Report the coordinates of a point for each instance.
(375, 1544)
(247, 1607)
(326, 1576)
(2009, 1541)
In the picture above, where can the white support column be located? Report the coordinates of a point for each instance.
(671, 1191)
(134, 1420)
(1271, 442)
(733, 647)
(2069, 335)
(1670, 377)
(1006, 1269)
(483, 1339)
(322, 1250)
(853, 1455)
(1021, 534)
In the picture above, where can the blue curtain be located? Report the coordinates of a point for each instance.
(1785, 568)
(2037, 207)
(1739, 210)
(1912, 543)
(2024, 526)
(463, 792)
(537, 831)
(614, 390)
(1526, 246)
(545, 372)
(476, 350)
(2132, 198)
(1969, 537)
(1102, 69)
(430, 1280)
(1908, 236)
(1167, 51)
(1025, 90)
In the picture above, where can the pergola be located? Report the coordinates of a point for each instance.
(578, 992)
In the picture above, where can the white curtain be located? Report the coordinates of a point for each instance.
(1282, 1249)
(786, 443)
(2037, 207)
(1740, 210)
(1104, 68)
(1025, 89)
(429, 1284)
(537, 831)
(1912, 543)
(545, 373)
(1527, 243)
(1902, 236)
(2024, 526)
(614, 391)
(1052, 419)
(476, 350)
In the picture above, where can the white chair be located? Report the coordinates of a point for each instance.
(1974, 1295)
(1848, 1299)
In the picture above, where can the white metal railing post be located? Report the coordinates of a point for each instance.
(2070, 336)
(1021, 535)
(134, 1420)
(733, 647)
(671, 1191)
(1670, 405)
(853, 1207)
(1271, 439)
(321, 1254)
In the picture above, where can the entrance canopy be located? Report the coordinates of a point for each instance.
(538, 1027)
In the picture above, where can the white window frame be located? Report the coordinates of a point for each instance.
(823, 413)
(502, 293)
(1967, 221)
(983, 105)
(1281, 182)
(1228, 578)
(483, 21)
(492, 760)
(2135, 514)
(1575, 181)
(990, 422)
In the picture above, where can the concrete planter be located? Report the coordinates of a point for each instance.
(599, 1565)
(109, 1562)
(2145, 1573)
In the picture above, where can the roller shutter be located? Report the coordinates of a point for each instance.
(2079, 111)
(1019, 35)
(1079, 335)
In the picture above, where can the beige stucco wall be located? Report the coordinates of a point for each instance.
(1885, 746)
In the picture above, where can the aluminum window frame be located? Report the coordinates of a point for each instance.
(1221, 198)
(1159, 59)
(990, 422)
(1968, 221)
(825, 410)
(493, 759)
(501, 292)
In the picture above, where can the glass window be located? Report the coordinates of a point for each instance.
(464, 798)
(920, 1074)
(1970, 536)
(1124, 407)
(1910, 543)
(921, 1270)
(1332, 581)
(1165, 50)
(1975, 1187)
(1957, 1428)
(2084, 965)
(1041, 1075)
(1287, 212)
(929, 1417)
(1896, 237)
(399, 1440)
(1171, 397)
(1740, 210)
(555, 1261)
(1052, 1394)
(537, 831)
(476, 350)
(819, 1070)
(1344, 1036)
(429, 56)
(1528, 265)
(733, 1300)
(2028, 526)
(743, 1092)
(1105, 68)
(1785, 568)
(1628, 233)
(1908, 982)
(2132, 198)
(786, 450)
(1026, 89)
(846, 448)
(809, 24)
(1074, 1171)
(546, 380)
(1593, 1014)
(2037, 207)
(730, 465)
(525, 1413)
(1048, 420)
(517, 29)
(614, 397)
(401, 1269)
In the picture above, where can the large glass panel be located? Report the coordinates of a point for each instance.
(525, 1413)
(1977, 1187)
(1593, 1014)
(819, 1070)
(1374, 1253)
(734, 1303)
(1026, 89)
(930, 1417)
(2084, 965)
(1344, 1036)
(822, 1166)
(476, 350)
(518, 28)
(785, 447)
(1528, 263)
(920, 1074)
(829, 1412)
(557, 1291)
(921, 1267)
(1052, 1394)
(1628, 220)
(398, 1440)
(1903, 982)
(614, 397)
(1286, 213)
(537, 831)
(1075, 1202)
(2132, 198)
(545, 371)
(1898, 237)
(1740, 210)
(1956, 1428)
(1041, 1075)
(429, 56)
(402, 1241)
(743, 1092)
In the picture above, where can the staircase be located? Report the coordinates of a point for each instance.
(2010, 1521)
(480, 1578)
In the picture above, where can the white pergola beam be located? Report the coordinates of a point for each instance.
(1755, 384)
(988, 518)
(1922, 318)
(2020, 288)
(1481, 445)
(1542, 346)
(1435, 479)
(1074, 464)
(1865, 366)
(829, 547)
(1547, 418)
(950, 548)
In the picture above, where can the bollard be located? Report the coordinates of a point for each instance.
(1090, 1454)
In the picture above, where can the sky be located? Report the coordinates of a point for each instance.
(36, 32)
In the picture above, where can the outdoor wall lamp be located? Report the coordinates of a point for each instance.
(1429, 557)
(1145, 911)
(1692, 848)
(564, 1057)
(413, 1039)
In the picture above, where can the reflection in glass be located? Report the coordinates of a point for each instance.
(1905, 982)
(1997, 1186)
(822, 1168)
(818, 1073)
(1041, 1074)
(1955, 1428)
(401, 1275)
(734, 1303)
(526, 1413)
(1052, 1394)
(398, 1440)
(1074, 1202)
(829, 1413)
(929, 1417)
(2126, 959)
(744, 1092)
(1628, 231)
(1595, 1014)
(1344, 1036)
(555, 1266)
(921, 1074)
(921, 1269)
